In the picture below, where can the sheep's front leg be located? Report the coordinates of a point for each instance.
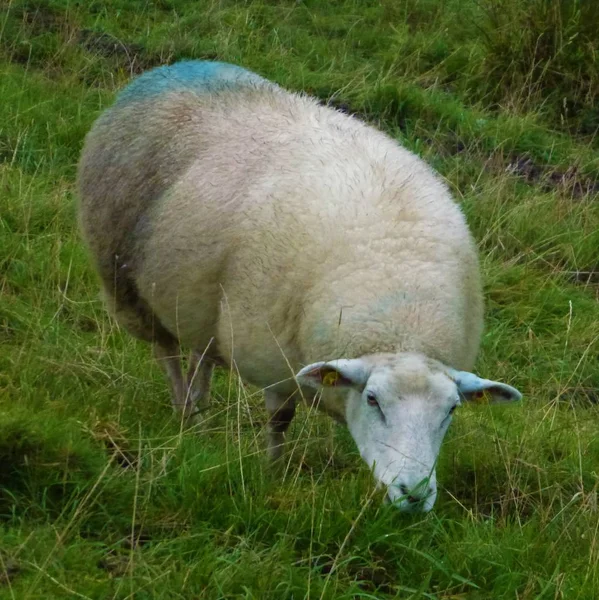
(281, 410)
(199, 377)
(169, 358)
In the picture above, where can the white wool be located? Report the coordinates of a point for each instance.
(300, 234)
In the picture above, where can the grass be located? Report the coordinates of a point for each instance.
(101, 493)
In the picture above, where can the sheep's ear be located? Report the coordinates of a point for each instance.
(475, 389)
(336, 373)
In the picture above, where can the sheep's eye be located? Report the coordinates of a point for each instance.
(371, 399)
(452, 409)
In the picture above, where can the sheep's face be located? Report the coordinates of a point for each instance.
(398, 408)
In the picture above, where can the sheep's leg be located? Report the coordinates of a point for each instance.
(199, 376)
(168, 357)
(134, 314)
(281, 411)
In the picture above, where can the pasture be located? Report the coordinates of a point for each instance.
(104, 495)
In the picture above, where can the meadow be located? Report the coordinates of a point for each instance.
(104, 495)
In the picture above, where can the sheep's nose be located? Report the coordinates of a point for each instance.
(416, 495)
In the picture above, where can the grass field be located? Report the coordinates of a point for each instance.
(102, 495)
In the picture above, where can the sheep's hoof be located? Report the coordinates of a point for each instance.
(278, 460)
(275, 453)
(189, 417)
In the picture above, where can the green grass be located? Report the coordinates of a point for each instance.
(101, 493)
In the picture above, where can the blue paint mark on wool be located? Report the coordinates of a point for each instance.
(199, 76)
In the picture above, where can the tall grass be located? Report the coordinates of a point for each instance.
(103, 495)
(545, 53)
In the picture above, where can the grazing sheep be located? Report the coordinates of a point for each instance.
(261, 229)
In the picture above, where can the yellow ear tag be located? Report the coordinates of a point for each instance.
(330, 378)
(481, 397)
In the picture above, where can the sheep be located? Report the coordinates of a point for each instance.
(324, 261)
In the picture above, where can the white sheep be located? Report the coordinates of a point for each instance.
(261, 229)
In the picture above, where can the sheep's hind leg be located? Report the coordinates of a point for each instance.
(134, 314)
(281, 411)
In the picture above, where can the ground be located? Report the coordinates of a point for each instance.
(103, 495)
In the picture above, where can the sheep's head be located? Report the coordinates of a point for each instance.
(398, 408)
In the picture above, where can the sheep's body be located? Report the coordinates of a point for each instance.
(226, 213)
